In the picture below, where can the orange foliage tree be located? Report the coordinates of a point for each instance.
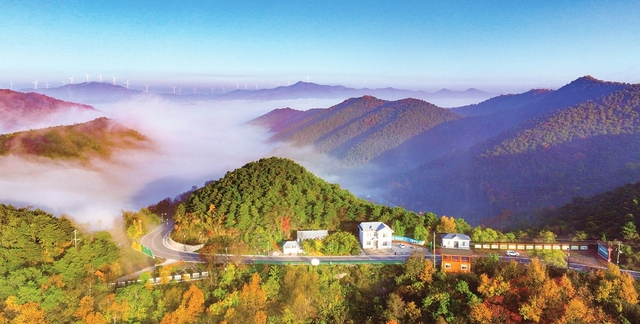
(189, 310)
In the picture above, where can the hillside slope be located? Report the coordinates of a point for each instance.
(98, 138)
(22, 111)
(360, 129)
(269, 198)
(457, 179)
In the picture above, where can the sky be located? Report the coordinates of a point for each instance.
(498, 46)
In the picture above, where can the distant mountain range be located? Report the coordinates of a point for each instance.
(508, 155)
(313, 90)
(101, 92)
(21, 111)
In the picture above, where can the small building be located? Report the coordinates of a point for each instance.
(456, 241)
(456, 260)
(311, 235)
(375, 235)
(291, 248)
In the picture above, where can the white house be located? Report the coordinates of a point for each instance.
(375, 235)
(291, 248)
(311, 235)
(455, 241)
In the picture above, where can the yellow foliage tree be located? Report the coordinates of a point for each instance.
(28, 313)
(491, 287)
(252, 304)
(446, 225)
(480, 313)
(85, 312)
(189, 310)
(577, 312)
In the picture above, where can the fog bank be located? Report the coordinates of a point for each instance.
(194, 143)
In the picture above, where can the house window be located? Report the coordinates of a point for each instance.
(447, 265)
(384, 234)
(464, 267)
(367, 243)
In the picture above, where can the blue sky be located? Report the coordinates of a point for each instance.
(500, 46)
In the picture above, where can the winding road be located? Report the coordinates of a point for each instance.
(156, 240)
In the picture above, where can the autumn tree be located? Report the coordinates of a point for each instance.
(189, 310)
(252, 303)
(446, 225)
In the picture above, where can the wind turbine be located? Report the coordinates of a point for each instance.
(63, 83)
(146, 86)
(71, 79)
(256, 86)
(100, 77)
(114, 80)
(307, 79)
(35, 84)
(47, 83)
(127, 83)
(237, 86)
(10, 85)
(87, 77)
(174, 89)
(288, 83)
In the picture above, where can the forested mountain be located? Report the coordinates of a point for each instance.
(268, 199)
(503, 103)
(98, 138)
(610, 216)
(21, 111)
(615, 114)
(457, 178)
(359, 129)
(279, 120)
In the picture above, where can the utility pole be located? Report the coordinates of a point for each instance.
(433, 250)
(618, 259)
(75, 238)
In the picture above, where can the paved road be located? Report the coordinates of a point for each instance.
(156, 241)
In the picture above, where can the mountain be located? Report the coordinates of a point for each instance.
(358, 129)
(269, 198)
(99, 138)
(20, 111)
(313, 90)
(502, 103)
(90, 92)
(103, 92)
(519, 165)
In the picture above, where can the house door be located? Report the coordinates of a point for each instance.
(455, 244)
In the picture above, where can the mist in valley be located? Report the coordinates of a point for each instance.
(193, 143)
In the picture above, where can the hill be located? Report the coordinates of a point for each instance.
(264, 201)
(358, 129)
(98, 138)
(20, 111)
(609, 216)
